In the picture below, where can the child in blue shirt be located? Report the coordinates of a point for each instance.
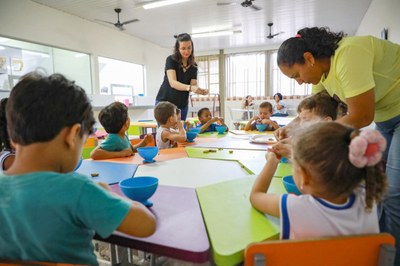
(207, 122)
(264, 117)
(115, 120)
(7, 153)
(48, 212)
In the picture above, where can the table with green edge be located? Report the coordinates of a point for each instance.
(231, 222)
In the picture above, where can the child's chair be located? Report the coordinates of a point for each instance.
(366, 250)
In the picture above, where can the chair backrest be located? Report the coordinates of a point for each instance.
(366, 250)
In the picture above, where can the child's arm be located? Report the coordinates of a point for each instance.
(271, 123)
(208, 124)
(138, 222)
(222, 121)
(100, 154)
(148, 138)
(175, 136)
(266, 202)
(248, 125)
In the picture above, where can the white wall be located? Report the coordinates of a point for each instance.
(382, 14)
(29, 21)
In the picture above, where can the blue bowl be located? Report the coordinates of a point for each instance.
(139, 188)
(190, 136)
(261, 127)
(148, 153)
(290, 186)
(221, 129)
(195, 129)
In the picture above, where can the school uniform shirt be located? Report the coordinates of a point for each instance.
(167, 93)
(305, 216)
(160, 143)
(362, 63)
(283, 110)
(48, 216)
(211, 128)
(114, 142)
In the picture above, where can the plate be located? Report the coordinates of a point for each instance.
(263, 139)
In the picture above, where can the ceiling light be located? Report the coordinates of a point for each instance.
(215, 33)
(35, 53)
(163, 3)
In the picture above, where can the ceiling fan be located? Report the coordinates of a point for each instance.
(118, 24)
(270, 35)
(245, 3)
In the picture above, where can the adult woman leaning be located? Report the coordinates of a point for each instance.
(180, 75)
(364, 73)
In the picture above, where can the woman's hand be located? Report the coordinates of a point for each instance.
(197, 90)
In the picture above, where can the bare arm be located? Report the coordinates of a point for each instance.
(273, 124)
(174, 83)
(283, 132)
(266, 202)
(175, 136)
(100, 154)
(208, 124)
(146, 140)
(138, 222)
(248, 125)
(361, 110)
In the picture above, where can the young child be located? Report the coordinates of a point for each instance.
(207, 122)
(336, 169)
(279, 107)
(265, 112)
(115, 120)
(318, 107)
(171, 128)
(48, 212)
(246, 104)
(7, 154)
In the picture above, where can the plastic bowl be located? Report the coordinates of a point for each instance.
(195, 129)
(261, 127)
(139, 188)
(148, 153)
(221, 129)
(290, 186)
(190, 136)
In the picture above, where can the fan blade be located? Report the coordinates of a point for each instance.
(105, 21)
(256, 8)
(129, 21)
(226, 4)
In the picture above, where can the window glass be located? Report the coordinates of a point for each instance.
(121, 79)
(208, 73)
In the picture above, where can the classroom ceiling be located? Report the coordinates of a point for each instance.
(160, 24)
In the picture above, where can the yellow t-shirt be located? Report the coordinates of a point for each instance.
(362, 63)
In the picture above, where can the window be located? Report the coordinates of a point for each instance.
(18, 58)
(121, 79)
(208, 73)
(245, 74)
(286, 86)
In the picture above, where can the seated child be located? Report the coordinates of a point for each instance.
(207, 122)
(279, 107)
(48, 212)
(171, 128)
(7, 154)
(340, 183)
(247, 103)
(265, 110)
(115, 120)
(318, 107)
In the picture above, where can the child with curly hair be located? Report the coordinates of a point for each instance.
(337, 170)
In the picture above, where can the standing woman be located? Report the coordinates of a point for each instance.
(180, 75)
(364, 73)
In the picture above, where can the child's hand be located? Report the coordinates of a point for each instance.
(214, 119)
(255, 118)
(272, 157)
(221, 120)
(188, 125)
(148, 138)
(265, 121)
(282, 149)
(127, 152)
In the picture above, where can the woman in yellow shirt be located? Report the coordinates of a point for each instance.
(364, 73)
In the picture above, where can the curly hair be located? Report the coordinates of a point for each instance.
(320, 42)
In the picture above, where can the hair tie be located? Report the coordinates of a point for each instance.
(297, 35)
(366, 149)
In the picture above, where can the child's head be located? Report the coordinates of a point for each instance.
(248, 100)
(4, 139)
(323, 167)
(265, 110)
(278, 97)
(39, 107)
(318, 107)
(204, 115)
(166, 113)
(114, 118)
